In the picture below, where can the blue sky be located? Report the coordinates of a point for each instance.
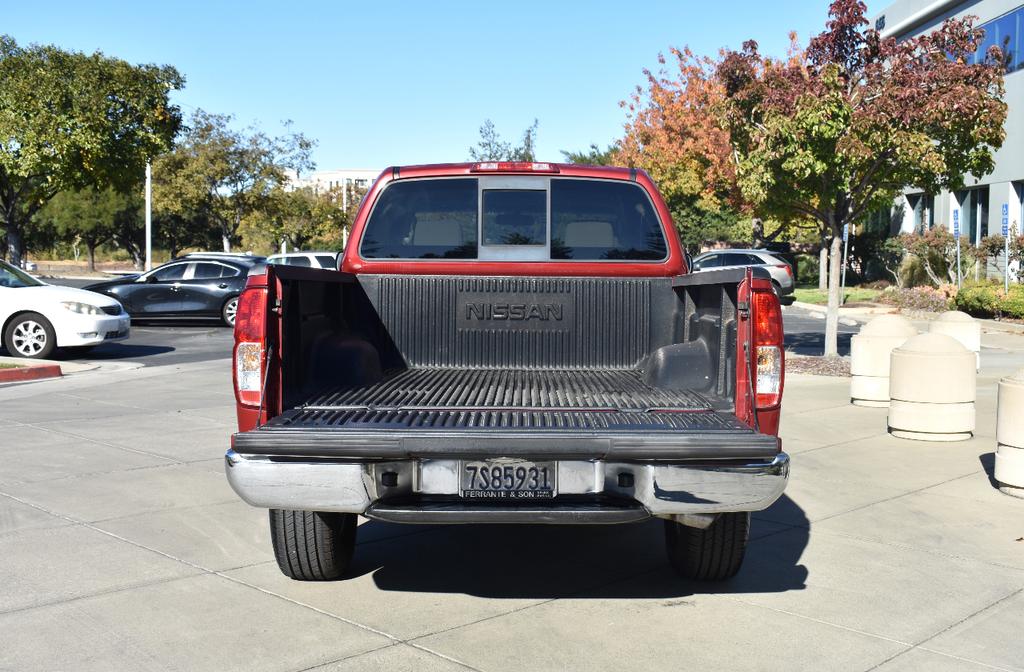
(382, 83)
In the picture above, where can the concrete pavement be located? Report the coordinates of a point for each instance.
(123, 548)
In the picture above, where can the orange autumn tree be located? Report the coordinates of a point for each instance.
(675, 132)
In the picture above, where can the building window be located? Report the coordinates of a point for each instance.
(924, 211)
(1007, 33)
(973, 214)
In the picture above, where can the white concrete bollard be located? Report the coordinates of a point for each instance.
(1010, 435)
(870, 353)
(932, 387)
(963, 328)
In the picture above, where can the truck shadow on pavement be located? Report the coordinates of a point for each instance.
(583, 561)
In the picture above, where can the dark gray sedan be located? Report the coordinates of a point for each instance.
(200, 286)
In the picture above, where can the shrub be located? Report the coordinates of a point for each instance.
(877, 284)
(936, 250)
(807, 269)
(987, 299)
(912, 273)
(917, 298)
(1013, 305)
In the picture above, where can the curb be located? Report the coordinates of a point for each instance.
(847, 319)
(845, 311)
(23, 374)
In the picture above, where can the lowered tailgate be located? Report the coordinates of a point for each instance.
(570, 414)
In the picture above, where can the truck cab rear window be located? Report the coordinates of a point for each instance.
(581, 219)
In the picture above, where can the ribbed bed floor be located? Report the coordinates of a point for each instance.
(466, 390)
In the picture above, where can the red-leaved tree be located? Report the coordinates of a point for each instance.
(844, 129)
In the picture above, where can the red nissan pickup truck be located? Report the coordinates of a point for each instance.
(509, 343)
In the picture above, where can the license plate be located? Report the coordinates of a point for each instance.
(508, 479)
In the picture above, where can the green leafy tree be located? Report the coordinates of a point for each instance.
(69, 121)
(222, 176)
(84, 217)
(183, 230)
(94, 217)
(129, 228)
(593, 156)
(491, 147)
(302, 217)
(840, 131)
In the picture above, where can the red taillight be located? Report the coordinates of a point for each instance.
(767, 318)
(513, 167)
(250, 342)
(768, 349)
(786, 267)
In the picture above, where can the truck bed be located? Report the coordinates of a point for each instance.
(389, 367)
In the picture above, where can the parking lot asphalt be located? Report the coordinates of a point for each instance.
(154, 343)
(123, 548)
(805, 331)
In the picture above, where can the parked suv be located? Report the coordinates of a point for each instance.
(778, 268)
(509, 343)
(326, 260)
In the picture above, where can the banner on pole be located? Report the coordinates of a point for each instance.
(956, 223)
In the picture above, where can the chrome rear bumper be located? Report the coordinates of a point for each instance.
(639, 490)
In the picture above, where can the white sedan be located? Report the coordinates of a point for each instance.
(38, 318)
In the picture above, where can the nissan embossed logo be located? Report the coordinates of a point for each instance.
(493, 311)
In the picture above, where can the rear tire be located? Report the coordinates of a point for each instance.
(30, 335)
(712, 554)
(311, 545)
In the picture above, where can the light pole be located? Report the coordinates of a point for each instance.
(149, 217)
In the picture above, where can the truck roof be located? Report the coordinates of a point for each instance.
(512, 167)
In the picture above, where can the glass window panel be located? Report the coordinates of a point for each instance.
(603, 220)
(171, 273)
(515, 217)
(207, 271)
(424, 219)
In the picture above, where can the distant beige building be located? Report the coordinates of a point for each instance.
(354, 180)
